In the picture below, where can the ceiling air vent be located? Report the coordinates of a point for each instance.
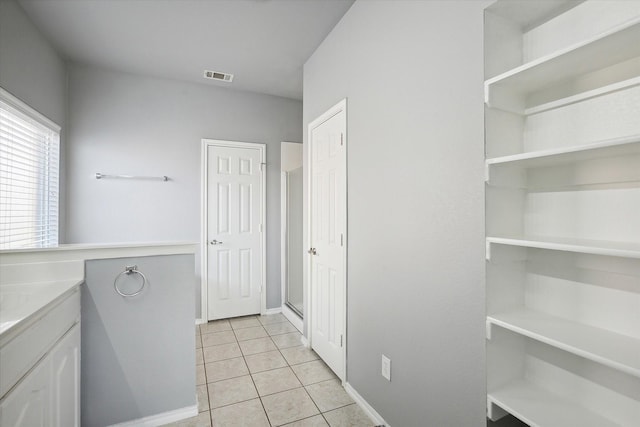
(216, 75)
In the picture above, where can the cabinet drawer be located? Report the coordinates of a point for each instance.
(22, 352)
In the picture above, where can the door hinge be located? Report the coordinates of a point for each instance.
(341, 139)
(341, 239)
(340, 340)
(262, 165)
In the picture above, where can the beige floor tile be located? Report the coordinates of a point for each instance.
(287, 340)
(250, 333)
(221, 352)
(275, 381)
(244, 322)
(201, 378)
(313, 372)
(203, 398)
(215, 326)
(259, 345)
(349, 416)
(199, 357)
(218, 338)
(231, 391)
(297, 355)
(265, 361)
(225, 369)
(288, 406)
(329, 395)
(280, 328)
(272, 318)
(317, 421)
(202, 420)
(244, 414)
(197, 330)
(198, 342)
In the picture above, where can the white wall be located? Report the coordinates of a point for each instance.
(413, 75)
(31, 70)
(128, 124)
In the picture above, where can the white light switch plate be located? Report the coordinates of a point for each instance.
(386, 367)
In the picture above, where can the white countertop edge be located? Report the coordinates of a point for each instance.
(13, 322)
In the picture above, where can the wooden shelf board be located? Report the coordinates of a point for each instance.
(608, 348)
(596, 247)
(539, 407)
(628, 145)
(614, 46)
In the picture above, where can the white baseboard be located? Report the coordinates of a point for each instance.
(201, 321)
(293, 318)
(161, 419)
(305, 341)
(273, 310)
(368, 409)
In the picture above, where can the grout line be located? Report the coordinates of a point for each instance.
(256, 387)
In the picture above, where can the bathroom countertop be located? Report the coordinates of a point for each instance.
(20, 303)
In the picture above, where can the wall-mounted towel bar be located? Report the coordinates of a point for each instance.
(161, 178)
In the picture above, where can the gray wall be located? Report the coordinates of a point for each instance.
(137, 352)
(413, 75)
(128, 124)
(31, 70)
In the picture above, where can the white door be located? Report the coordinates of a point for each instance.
(234, 200)
(328, 214)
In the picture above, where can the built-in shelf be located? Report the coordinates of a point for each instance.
(583, 96)
(539, 407)
(608, 348)
(509, 90)
(563, 159)
(596, 247)
(629, 145)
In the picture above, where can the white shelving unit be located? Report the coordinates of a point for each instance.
(562, 103)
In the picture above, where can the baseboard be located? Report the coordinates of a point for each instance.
(201, 321)
(293, 318)
(305, 341)
(273, 311)
(368, 409)
(161, 419)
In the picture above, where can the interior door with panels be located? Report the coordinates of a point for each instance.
(328, 237)
(234, 231)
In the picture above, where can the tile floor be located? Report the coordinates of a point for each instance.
(254, 372)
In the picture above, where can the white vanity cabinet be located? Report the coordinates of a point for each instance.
(47, 392)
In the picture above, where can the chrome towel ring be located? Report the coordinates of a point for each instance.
(129, 270)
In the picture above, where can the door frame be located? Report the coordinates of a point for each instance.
(291, 316)
(331, 112)
(204, 230)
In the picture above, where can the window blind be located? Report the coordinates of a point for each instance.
(29, 169)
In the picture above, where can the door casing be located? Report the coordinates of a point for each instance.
(331, 112)
(204, 202)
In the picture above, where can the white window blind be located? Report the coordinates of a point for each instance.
(29, 163)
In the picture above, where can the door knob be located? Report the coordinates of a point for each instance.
(312, 251)
(215, 242)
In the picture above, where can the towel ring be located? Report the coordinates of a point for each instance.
(130, 269)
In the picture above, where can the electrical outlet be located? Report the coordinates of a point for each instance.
(386, 367)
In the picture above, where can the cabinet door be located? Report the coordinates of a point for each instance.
(65, 382)
(28, 405)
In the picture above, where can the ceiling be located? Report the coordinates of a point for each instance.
(264, 43)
